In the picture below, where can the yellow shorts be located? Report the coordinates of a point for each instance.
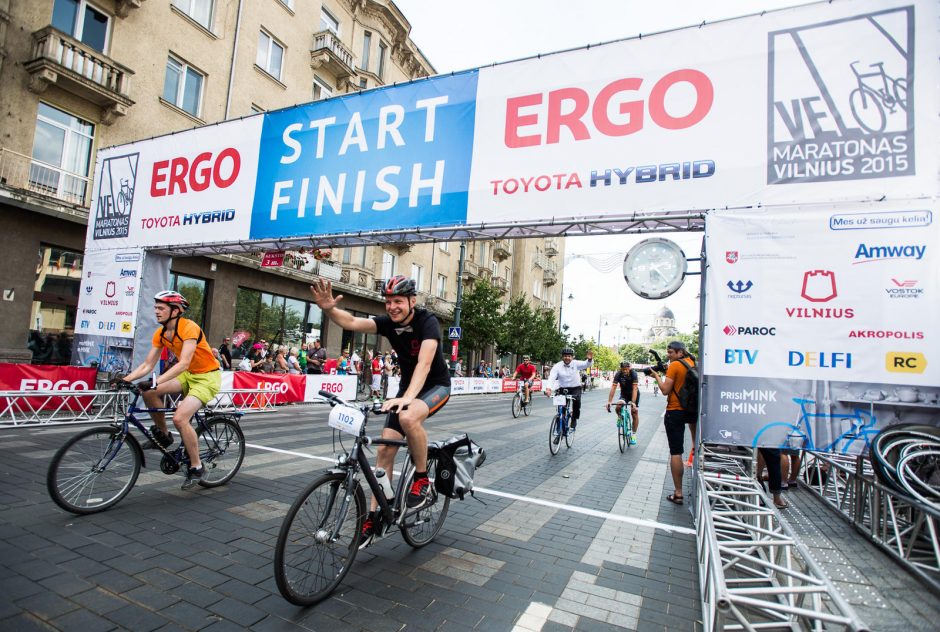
(203, 386)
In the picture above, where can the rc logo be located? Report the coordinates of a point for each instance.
(842, 113)
(115, 196)
(819, 286)
(905, 362)
(731, 256)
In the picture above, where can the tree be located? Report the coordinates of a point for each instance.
(515, 334)
(545, 339)
(606, 359)
(480, 317)
(635, 353)
(581, 346)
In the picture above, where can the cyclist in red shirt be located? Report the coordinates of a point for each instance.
(377, 375)
(526, 372)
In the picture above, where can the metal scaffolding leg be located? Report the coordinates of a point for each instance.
(754, 573)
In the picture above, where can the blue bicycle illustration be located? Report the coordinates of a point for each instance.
(109, 361)
(799, 436)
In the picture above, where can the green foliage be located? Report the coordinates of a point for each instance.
(635, 353)
(605, 359)
(515, 334)
(581, 346)
(480, 317)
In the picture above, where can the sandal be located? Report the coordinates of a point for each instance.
(782, 504)
(673, 498)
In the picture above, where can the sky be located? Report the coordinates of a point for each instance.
(459, 35)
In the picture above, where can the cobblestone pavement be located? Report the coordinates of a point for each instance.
(584, 540)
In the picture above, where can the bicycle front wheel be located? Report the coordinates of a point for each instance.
(317, 545)
(516, 405)
(621, 434)
(554, 436)
(93, 471)
(569, 433)
(420, 527)
(221, 449)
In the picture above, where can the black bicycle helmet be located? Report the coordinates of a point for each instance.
(172, 298)
(624, 364)
(567, 351)
(399, 285)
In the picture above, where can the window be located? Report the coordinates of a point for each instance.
(359, 342)
(270, 55)
(482, 252)
(362, 257)
(366, 45)
(288, 3)
(183, 86)
(198, 10)
(61, 155)
(82, 21)
(277, 319)
(537, 288)
(195, 292)
(493, 269)
(347, 255)
(388, 264)
(383, 51)
(441, 286)
(328, 22)
(444, 246)
(363, 84)
(55, 303)
(417, 273)
(321, 89)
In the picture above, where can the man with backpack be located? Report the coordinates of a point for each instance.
(680, 386)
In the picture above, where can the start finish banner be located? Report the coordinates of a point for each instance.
(819, 327)
(829, 102)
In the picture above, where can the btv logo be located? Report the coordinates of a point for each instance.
(819, 286)
(731, 256)
(821, 359)
(740, 356)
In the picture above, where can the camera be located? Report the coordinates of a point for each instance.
(659, 367)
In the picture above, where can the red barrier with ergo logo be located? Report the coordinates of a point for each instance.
(47, 377)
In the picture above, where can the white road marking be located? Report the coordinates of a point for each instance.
(652, 524)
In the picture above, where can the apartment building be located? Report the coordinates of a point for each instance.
(79, 75)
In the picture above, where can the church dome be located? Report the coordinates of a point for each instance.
(665, 312)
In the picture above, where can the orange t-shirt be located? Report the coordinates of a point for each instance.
(203, 360)
(677, 372)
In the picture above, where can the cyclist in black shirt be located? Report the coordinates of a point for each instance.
(628, 381)
(415, 335)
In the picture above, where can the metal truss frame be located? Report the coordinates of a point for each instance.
(30, 408)
(905, 528)
(754, 572)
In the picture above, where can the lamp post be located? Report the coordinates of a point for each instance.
(561, 307)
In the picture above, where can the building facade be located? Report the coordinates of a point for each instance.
(79, 75)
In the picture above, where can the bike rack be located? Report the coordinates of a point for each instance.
(903, 527)
(754, 573)
(29, 408)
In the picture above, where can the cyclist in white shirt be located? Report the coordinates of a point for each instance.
(567, 373)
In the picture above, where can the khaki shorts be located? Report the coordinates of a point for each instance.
(202, 386)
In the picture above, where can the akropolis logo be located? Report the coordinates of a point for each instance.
(842, 112)
(115, 196)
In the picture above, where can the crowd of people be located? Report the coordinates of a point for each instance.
(52, 348)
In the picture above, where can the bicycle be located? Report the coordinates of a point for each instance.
(319, 539)
(99, 466)
(521, 405)
(624, 425)
(891, 94)
(561, 426)
(798, 439)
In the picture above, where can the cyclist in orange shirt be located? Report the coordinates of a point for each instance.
(196, 375)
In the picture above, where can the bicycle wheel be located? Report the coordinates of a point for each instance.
(308, 563)
(569, 433)
(527, 405)
(516, 405)
(221, 449)
(621, 433)
(420, 527)
(867, 110)
(93, 471)
(554, 436)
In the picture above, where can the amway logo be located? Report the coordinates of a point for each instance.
(731, 330)
(821, 359)
(867, 253)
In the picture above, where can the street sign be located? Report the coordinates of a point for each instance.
(454, 333)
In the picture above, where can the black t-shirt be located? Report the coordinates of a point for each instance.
(407, 344)
(626, 382)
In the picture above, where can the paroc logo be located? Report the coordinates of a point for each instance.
(731, 330)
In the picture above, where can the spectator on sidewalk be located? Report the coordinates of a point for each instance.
(225, 354)
(316, 356)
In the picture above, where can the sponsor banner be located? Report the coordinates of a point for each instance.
(108, 294)
(106, 353)
(459, 385)
(41, 377)
(343, 386)
(824, 294)
(185, 188)
(285, 388)
(828, 416)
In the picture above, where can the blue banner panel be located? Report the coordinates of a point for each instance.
(386, 159)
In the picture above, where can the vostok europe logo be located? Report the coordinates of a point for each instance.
(867, 253)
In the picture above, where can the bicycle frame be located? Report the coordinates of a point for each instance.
(803, 428)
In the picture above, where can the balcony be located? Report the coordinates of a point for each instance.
(549, 277)
(551, 247)
(330, 54)
(22, 172)
(500, 284)
(64, 61)
(502, 249)
(471, 271)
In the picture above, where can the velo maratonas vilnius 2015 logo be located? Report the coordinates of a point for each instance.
(115, 196)
(843, 111)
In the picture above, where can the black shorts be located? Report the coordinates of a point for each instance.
(676, 422)
(434, 396)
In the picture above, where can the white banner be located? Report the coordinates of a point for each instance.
(343, 386)
(110, 286)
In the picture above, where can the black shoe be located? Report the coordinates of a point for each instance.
(420, 494)
(574, 425)
(194, 476)
(165, 439)
(556, 439)
(368, 531)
